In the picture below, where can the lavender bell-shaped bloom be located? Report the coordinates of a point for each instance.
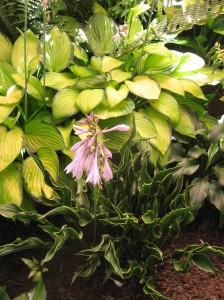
(91, 155)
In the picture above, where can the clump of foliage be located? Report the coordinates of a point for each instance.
(120, 74)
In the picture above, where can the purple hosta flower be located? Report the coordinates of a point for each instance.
(91, 155)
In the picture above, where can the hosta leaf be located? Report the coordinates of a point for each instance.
(199, 191)
(168, 106)
(10, 145)
(3, 294)
(34, 180)
(137, 10)
(59, 81)
(39, 134)
(188, 62)
(81, 71)
(157, 48)
(192, 88)
(6, 49)
(119, 75)
(58, 49)
(34, 87)
(6, 110)
(115, 93)
(66, 132)
(50, 161)
(110, 63)
(186, 124)
(64, 103)
(144, 126)
(96, 63)
(6, 80)
(103, 111)
(11, 187)
(144, 87)
(204, 263)
(135, 30)
(13, 96)
(217, 199)
(80, 53)
(32, 44)
(87, 100)
(163, 138)
(93, 82)
(100, 31)
(169, 83)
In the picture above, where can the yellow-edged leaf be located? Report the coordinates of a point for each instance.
(59, 81)
(192, 88)
(50, 161)
(115, 93)
(14, 96)
(169, 83)
(110, 63)
(186, 124)
(119, 75)
(87, 100)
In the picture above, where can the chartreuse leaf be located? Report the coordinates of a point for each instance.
(135, 28)
(188, 62)
(163, 138)
(50, 161)
(193, 88)
(119, 75)
(100, 31)
(87, 100)
(32, 57)
(104, 111)
(13, 96)
(157, 48)
(167, 105)
(93, 82)
(11, 187)
(6, 110)
(96, 63)
(6, 80)
(59, 81)
(169, 83)
(185, 125)
(58, 49)
(144, 87)
(10, 145)
(6, 49)
(110, 63)
(3, 294)
(81, 71)
(39, 134)
(115, 93)
(34, 87)
(145, 126)
(64, 103)
(137, 10)
(65, 131)
(34, 180)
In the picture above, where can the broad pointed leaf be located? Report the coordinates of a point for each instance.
(192, 88)
(10, 145)
(59, 81)
(109, 63)
(115, 93)
(188, 62)
(169, 83)
(145, 126)
(13, 96)
(64, 103)
(103, 110)
(144, 87)
(32, 44)
(81, 71)
(80, 53)
(6, 49)
(50, 161)
(186, 124)
(100, 31)
(87, 100)
(11, 187)
(119, 75)
(199, 191)
(92, 82)
(58, 49)
(5, 111)
(39, 134)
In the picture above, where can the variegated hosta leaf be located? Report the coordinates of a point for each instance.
(10, 145)
(115, 93)
(59, 81)
(93, 82)
(34, 86)
(119, 75)
(137, 10)
(144, 87)
(186, 124)
(58, 50)
(50, 161)
(110, 63)
(104, 111)
(6, 80)
(6, 49)
(163, 138)
(135, 30)
(192, 88)
(100, 31)
(167, 105)
(34, 180)
(65, 131)
(13, 96)
(188, 62)
(157, 48)
(145, 126)
(5, 111)
(169, 83)
(39, 134)
(64, 103)
(96, 63)
(32, 44)
(80, 53)
(81, 71)
(87, 100)
(11, 187)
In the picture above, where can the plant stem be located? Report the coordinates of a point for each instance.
(95, 199)
(25, 62)
(44, 56)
